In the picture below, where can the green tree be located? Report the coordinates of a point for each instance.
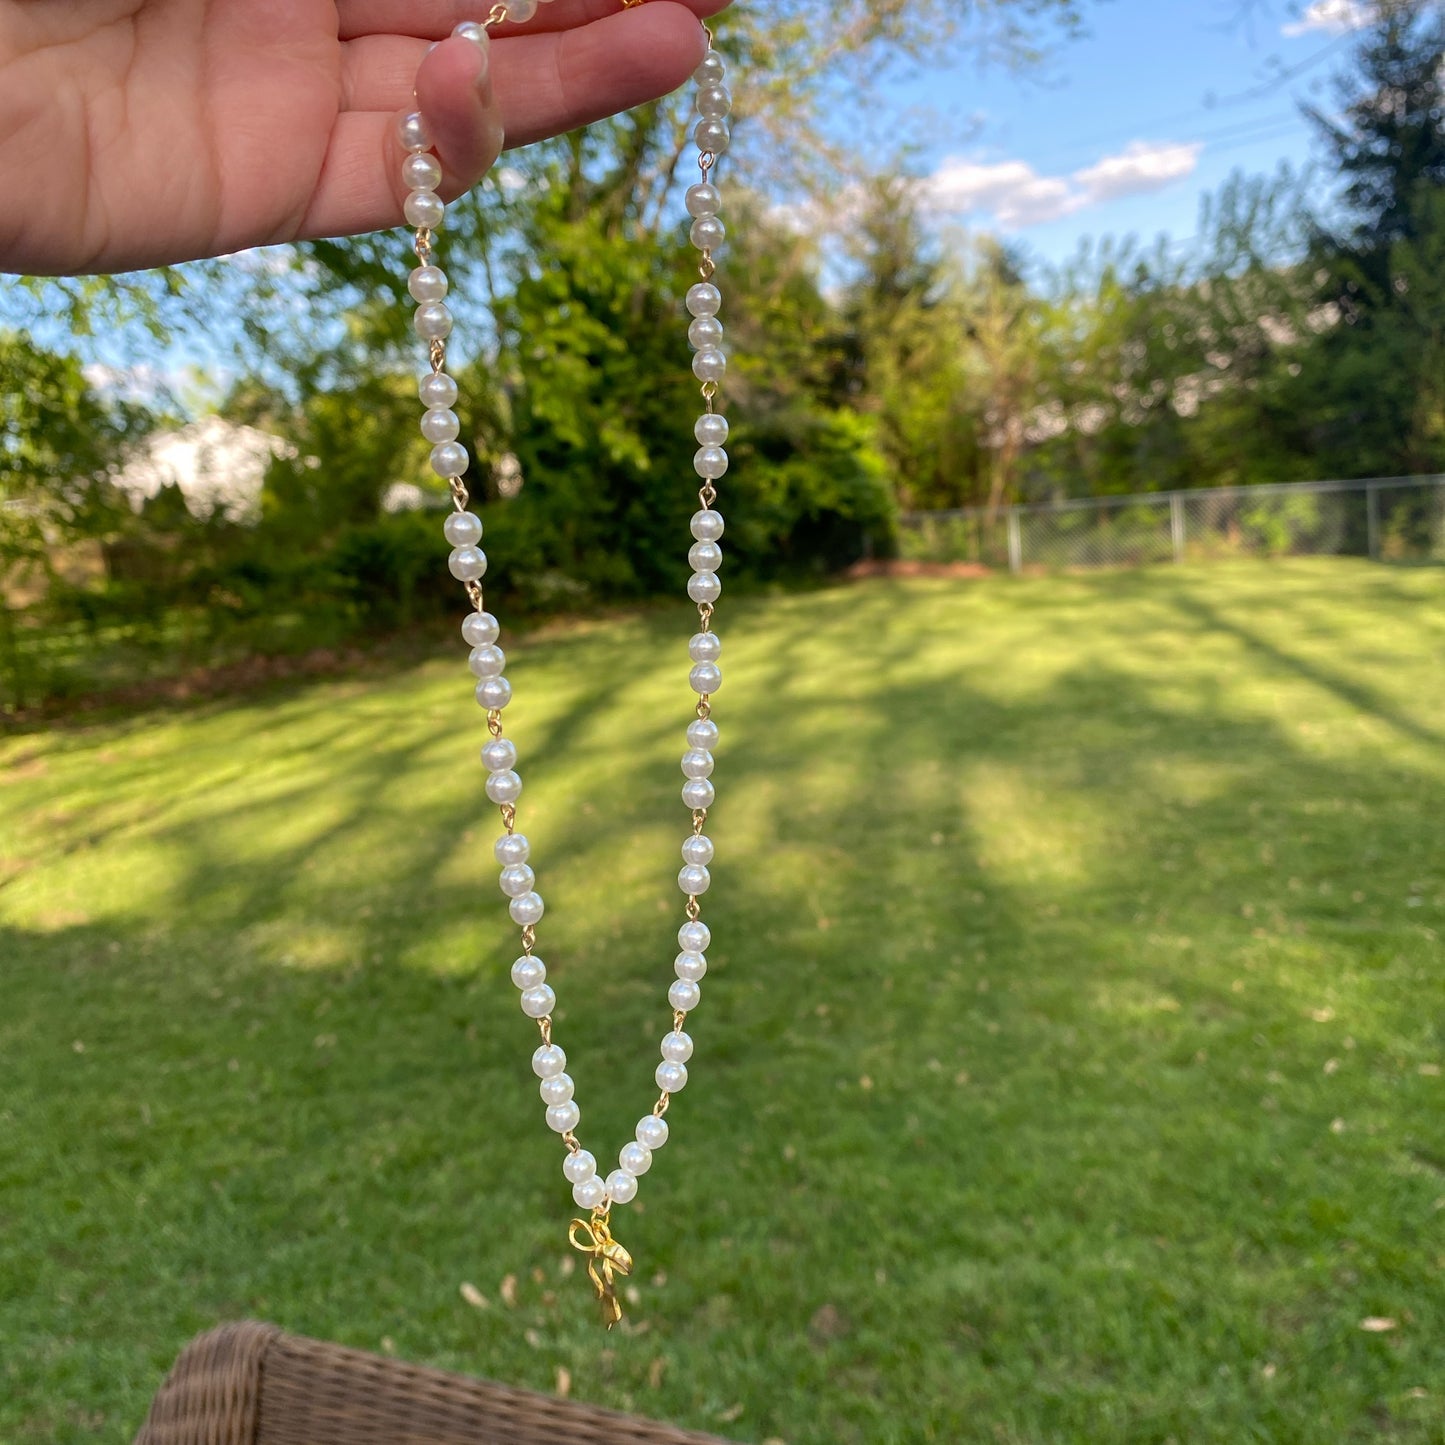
(61, 442)
(1367, 384)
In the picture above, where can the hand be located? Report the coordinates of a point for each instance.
(136, 133)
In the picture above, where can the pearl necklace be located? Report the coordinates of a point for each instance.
(428, 285)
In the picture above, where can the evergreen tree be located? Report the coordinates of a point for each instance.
(1361, 386)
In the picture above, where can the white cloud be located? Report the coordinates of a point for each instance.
(1015, 192)
(1335, 16)
(1138, 169)
(1018, 196)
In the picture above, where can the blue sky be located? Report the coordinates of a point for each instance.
(1125, 130)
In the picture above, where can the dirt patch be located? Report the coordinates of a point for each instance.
(900, 568)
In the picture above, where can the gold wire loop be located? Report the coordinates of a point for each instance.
(607, 1260)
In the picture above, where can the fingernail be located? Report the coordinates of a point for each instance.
(483, 81)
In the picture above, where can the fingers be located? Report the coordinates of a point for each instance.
(539, 85)
(434, 19)
(547, 83)
(554, 83)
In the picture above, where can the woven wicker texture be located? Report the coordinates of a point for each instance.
(251, 1384)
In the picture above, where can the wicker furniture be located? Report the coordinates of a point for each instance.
(251, 1384)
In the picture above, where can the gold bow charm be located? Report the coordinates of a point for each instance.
(609, 1259)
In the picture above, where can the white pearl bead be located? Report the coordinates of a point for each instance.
(471, 30)
(517, 880)
(463, 529)
(697, 763)
(427, 283)
(692, 968)
(705, 333)
(433, 321)
(707, 526)
(704, 299)
(529, 973)
(712, 136)
(621, 1187)
(527, 910)
(694, 937)
(557, 1091)
(440, 425)
(504, 788)
(694, 881)
(519, 11)
(498, 756)
(467, 564)
(698, 849)
(487, 661)
(548, 1061)
(711, 430)
(706, 677)
(635, 1158)
(563, 1118)
(412, 131)
(710, 365)
(671, 1078)
(703, 200)
(652, 1132)
(590, 1194)
(512, 848)
(480, 628)
(711, 463)
(704, 557)
(698, 794)
(422, 173)
(704, 732)
(714, 102)
(707, 233)
(425, 210)
(684, 997)
(704, 646)
(449, 460)
(712, 71)
(539, 1002)
(493, 694)
(704, 587)
(677, 1047)
(437, 389)
(580, 1167)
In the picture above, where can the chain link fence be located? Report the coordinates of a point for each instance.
(1392, 519)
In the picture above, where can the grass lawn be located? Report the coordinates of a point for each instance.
(1069, 1068)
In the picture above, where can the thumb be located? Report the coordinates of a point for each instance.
(456, 96)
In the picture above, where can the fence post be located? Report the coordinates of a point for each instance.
(1176, 525)
(1015, 543)
(1372, 514)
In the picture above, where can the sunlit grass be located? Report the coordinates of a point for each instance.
(1069, 1063)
